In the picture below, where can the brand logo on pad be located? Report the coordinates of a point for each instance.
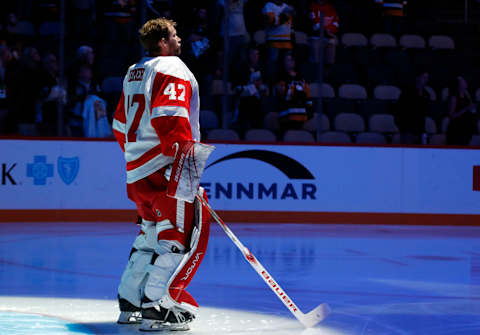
(191, 267)
(68, 168)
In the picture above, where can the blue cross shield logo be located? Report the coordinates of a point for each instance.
(68, 168)
(39, 170)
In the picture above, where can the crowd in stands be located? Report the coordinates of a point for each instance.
(388, 73)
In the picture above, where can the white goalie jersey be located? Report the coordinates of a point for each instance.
(159, 107)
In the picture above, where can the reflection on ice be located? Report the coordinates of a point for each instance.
(50, 316)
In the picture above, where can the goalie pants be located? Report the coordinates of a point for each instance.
(169, 248)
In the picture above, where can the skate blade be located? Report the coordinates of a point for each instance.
(127, 318)
(159, 326)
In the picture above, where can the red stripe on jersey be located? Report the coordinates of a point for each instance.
(170, 130)
(171, 91)
(120, 138)
(120, 114)
(156, 150)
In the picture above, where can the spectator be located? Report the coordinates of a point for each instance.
(85, 56)
(293, 95)
(237, 31)
(392, 12)
(278, 18)
(51, 95)
(461, 111)
(77, 97)
(330, 23)
(250, 87)
(411, 110)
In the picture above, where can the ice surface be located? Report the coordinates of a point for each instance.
(391, 280)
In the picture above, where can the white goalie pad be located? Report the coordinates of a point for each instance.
(140, 257)
(133, 276)
(187, 170)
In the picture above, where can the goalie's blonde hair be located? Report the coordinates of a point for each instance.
(153, 31)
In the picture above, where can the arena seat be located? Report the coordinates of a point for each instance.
(312, 124)
(260, 135)
(441, 42)
(223, 135)
(208, 119)
(349, 122)
(352, 91)
(370, 138)
(298, 136)
(326, 90)
(438, 139)
(382, 123)
(380, 40)
(387, 92)
(334, 137)
(412, 41)
(354, 40)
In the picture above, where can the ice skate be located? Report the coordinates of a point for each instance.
(129, 313)
(161, 319)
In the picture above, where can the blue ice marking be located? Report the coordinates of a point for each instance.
(22, 324)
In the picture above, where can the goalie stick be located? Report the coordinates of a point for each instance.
(309, 319)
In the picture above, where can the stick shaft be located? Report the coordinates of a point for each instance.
(267, 278)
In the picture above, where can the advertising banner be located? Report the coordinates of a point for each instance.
(247, 178)
(343, 179)
(62, 175)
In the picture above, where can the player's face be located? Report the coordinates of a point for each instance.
(174, 43)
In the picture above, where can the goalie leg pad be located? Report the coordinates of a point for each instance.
(173, 269)
(133, 276)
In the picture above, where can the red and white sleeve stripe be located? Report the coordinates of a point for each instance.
(170, 113)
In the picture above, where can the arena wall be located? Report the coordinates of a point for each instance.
(74, 180)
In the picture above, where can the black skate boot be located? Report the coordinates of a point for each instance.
(129, 313)
(157, 318)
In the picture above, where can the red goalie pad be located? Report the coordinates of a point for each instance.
(198, 246)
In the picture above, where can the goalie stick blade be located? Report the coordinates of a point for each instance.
(315, 316)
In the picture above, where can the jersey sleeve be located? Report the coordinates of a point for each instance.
(170, 113)
(119, 122)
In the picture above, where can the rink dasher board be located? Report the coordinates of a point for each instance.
(307, 181)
